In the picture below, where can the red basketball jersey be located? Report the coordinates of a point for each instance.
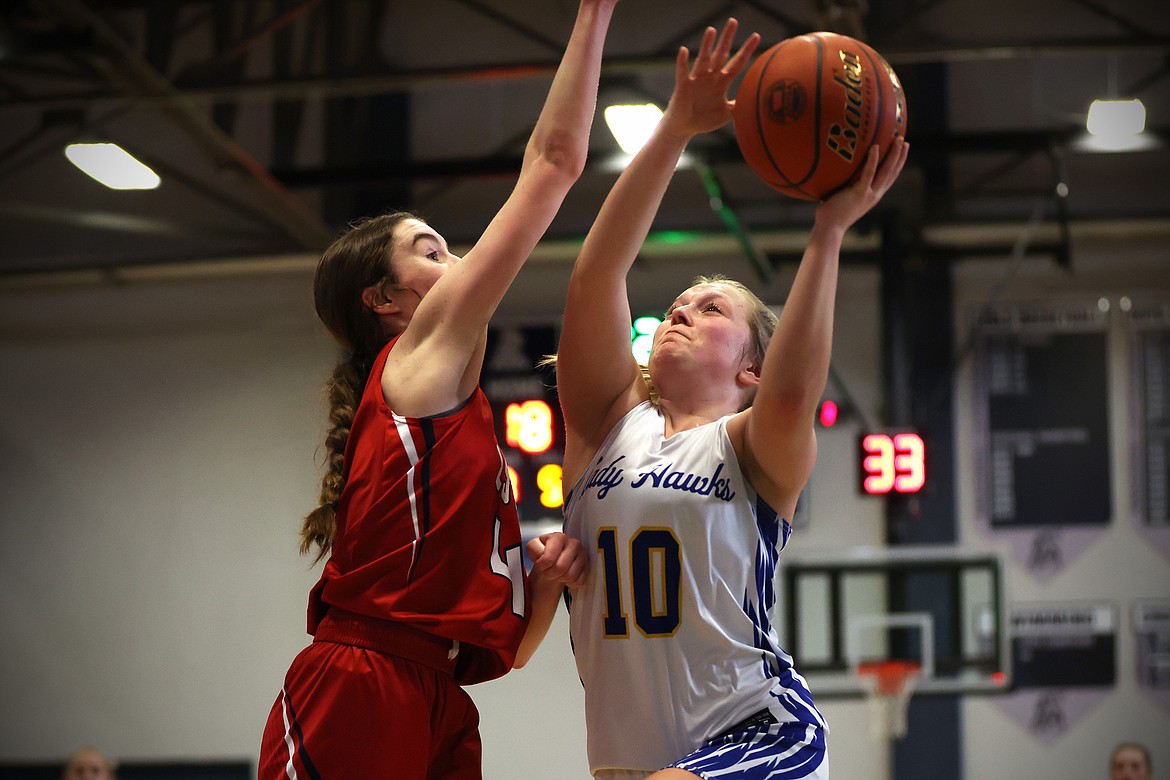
(427, 531)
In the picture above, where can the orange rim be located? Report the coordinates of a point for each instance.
(891, 675)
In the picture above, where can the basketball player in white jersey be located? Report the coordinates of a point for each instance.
(683, 486)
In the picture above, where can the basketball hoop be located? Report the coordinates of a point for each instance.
(889, 685)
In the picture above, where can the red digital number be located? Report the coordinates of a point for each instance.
(894, 463)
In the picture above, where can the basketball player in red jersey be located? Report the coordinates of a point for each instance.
(424, 589)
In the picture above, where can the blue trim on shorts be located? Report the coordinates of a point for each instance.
(759, 750)
(302, 751)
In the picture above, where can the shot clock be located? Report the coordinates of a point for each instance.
(892, 463)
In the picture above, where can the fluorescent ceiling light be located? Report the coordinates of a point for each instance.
(1116, 117)
(632, 125)
(113, 166)
(1116, 125)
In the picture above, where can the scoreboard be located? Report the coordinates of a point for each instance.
(527, 414)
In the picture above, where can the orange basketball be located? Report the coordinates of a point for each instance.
(810, 107)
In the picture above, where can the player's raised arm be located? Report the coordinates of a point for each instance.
(437, 360)
(597, 377)
(779, 436)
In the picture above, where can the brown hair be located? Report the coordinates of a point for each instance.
(359, 259)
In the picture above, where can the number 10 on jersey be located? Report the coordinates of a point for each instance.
(653, 574)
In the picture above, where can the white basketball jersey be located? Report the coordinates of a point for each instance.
(672, 631)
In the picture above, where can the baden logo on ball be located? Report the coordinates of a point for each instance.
(809, 108)
(842, 137)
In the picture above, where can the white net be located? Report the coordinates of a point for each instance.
(889, 685)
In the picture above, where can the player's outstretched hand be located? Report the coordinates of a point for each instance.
(849, 204)
(699, 103)
(559, 558)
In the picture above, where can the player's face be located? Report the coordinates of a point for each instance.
(707, 327)
(420, 256)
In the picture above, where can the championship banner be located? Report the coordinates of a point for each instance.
(1148, 325)
(1151, 625)
(1064, 664)
(1042, 430)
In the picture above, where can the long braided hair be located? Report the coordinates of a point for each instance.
(357, 260)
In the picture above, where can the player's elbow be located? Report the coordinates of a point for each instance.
(561, 154)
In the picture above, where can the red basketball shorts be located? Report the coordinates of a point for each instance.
(350, 713)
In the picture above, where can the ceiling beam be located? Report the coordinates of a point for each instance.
(141, 81)
(397, 81)
(941, 242)
(497, 165)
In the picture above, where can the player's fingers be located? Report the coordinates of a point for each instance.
(865, 179)
(554, 545)
(681, 69)
(892, 166)
(569, 555)
(741, 58)
(571, 549)
(726, 38)
(550, 551)
(703, 58)
(874, 159)
(535, 549)
(577, 571)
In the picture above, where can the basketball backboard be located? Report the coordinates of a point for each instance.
(935, 606)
